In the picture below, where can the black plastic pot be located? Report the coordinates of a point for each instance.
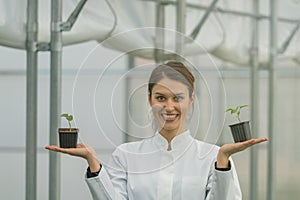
(241, 131)
(68, 138)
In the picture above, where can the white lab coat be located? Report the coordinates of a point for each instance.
(145, 170)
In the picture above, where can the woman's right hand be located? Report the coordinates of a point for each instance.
(82, 151)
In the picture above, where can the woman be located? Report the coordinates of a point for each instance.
(171, 164)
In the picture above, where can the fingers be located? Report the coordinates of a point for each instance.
(264, 139)
(58, 149)
(54, 148)
(81, 150)
(256, 141)
(252, 142)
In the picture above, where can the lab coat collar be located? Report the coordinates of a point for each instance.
(178, 142)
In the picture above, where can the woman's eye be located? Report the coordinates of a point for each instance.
(178, 98)
(160, 98)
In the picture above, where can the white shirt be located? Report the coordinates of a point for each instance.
(146, 170)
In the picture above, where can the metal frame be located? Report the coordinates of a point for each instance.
(197, 29)
(288, 40)
(180, 27)
(55, 96)
(31, 100)
(254, 102)
(272, 101)
(55, 47)
(228, 11)
(160, 37)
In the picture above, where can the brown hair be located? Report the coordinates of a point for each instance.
(174, 70)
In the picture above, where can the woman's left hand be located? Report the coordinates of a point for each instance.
(228, 149)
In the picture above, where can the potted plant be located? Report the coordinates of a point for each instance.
(241, 130)
(68, 136)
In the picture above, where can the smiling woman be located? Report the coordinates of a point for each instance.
(171, 94)
(171, 164)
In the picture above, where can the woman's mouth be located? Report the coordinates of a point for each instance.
(169, 117)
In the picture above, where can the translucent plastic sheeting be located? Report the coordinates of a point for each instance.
(225, 35)
(94, 23)
(97, 21)
(238, 31)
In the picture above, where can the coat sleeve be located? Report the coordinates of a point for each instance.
(111, 183)
(223, 184)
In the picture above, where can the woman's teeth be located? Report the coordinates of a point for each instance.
(169, 117)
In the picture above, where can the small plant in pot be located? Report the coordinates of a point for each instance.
(240, 131)
(68, 136)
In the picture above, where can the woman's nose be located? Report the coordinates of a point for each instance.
(169, 106)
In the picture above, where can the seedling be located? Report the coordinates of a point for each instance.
(68, 136)
(236, 111)
(69, 118)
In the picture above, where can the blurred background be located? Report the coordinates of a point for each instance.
(240, 53)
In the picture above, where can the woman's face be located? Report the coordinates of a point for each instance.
(170, 104)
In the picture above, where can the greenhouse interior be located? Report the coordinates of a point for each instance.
(93, 59)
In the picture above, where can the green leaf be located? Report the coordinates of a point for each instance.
(229, 109)
(236, 111)
(237, 108)
(64, 115)
(70, 118)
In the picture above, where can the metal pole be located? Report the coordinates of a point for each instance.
(67, 26)
(130, 65)
(203, 19)
(159, 32)
(288, 40)
(31, 100)
(254, 102)
(230, 11)
(55, 96)
(180, 27)
(272, 96)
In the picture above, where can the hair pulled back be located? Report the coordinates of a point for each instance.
(173, 70)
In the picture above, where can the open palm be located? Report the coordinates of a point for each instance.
(80, 151)
(229, 149)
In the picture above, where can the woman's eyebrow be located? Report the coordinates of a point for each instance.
(178, 94)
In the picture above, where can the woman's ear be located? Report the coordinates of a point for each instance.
(193, 97)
